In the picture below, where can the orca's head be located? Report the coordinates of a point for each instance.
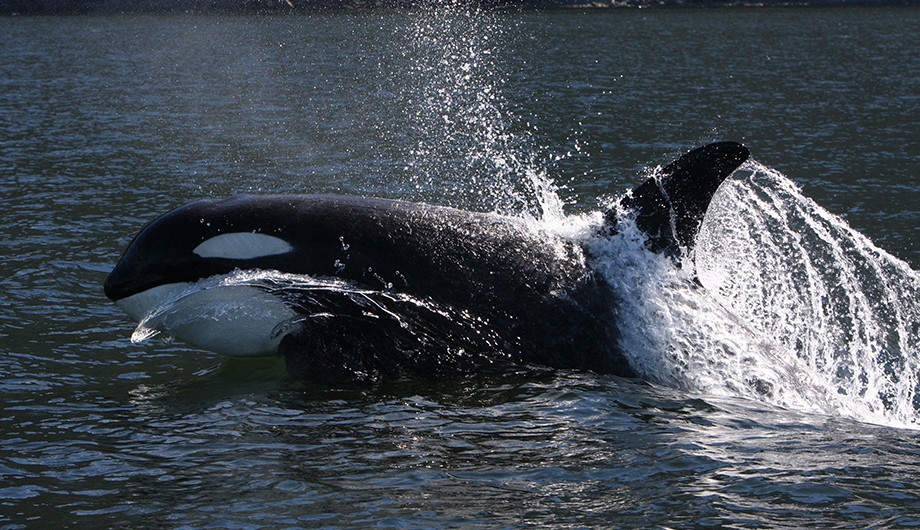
(196, 241)
(208, 239)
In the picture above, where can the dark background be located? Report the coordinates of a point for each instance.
(42, 7)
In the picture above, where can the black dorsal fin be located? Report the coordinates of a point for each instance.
(682, 192)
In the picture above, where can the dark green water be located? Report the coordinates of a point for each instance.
(107, 122)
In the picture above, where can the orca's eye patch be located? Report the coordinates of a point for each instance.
(242, 245)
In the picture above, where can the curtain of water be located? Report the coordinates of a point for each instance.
(802, 276)
(796, 308)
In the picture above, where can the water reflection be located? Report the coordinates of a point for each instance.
(573, 447)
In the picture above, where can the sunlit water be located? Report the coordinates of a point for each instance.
(776, 393)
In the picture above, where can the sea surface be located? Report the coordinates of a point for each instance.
(107, 122)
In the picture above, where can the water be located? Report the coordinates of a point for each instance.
(109, 121)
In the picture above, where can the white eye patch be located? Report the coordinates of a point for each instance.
(242, 245)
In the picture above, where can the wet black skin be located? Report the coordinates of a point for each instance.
(455, 292)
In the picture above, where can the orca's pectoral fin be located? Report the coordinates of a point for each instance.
(671, 205)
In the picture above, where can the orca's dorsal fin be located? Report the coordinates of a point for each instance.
(671, 205)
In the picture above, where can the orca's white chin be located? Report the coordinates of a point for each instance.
(233, 320)
(137, 306)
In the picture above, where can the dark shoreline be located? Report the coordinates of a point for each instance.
(84, 7)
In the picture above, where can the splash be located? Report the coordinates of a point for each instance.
(797, 309)
(677, 334)
(469, 150)
(841, 305)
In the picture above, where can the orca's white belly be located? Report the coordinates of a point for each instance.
(234, 320)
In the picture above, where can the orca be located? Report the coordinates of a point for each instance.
(354, 289)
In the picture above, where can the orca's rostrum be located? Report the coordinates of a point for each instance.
(363, 289)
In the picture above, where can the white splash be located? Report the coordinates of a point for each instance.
(676, 334)
(468, 152)
(845, 308)
(796, 309)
